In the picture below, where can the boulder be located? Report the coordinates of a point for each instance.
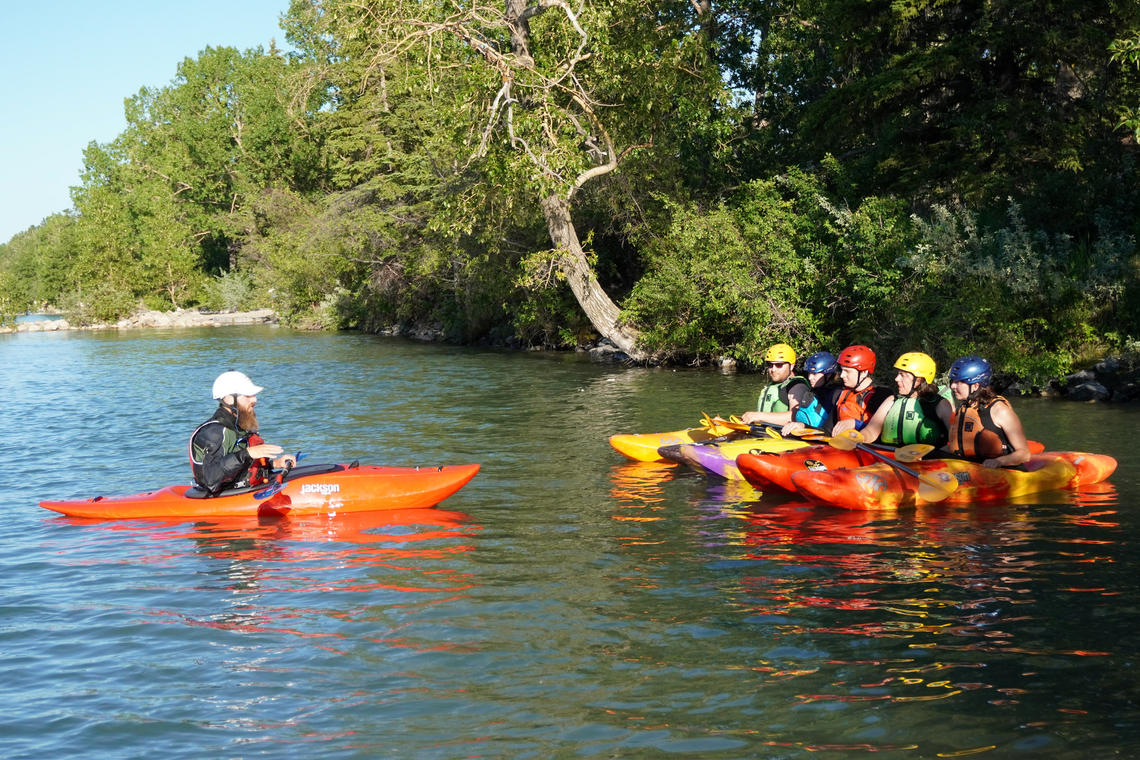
(1087, 391)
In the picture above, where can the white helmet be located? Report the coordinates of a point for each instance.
(234, 383)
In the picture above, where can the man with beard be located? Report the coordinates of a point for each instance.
(226, 451)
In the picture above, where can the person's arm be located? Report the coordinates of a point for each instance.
(874, 426)
(1007, 419)
(773, 418)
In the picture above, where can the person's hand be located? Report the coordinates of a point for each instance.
(843, 426)
(993, 464)
(749, 417)
(792, 428)
(264, 451)
(285, 460)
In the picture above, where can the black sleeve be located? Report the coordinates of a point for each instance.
(217, 469)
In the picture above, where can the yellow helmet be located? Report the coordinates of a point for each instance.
(917, 364)
(781, 352)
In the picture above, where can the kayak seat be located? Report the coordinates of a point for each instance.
(297, 472)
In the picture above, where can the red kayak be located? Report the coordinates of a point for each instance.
(769, 471)
(309, 490)
(881, 486)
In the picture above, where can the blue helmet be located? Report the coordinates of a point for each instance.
(970, 370)
(822, 362)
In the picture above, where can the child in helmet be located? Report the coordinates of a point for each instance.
(984, 428)
(788, 396)
(918, 413)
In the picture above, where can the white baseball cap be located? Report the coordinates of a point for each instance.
(234, 383)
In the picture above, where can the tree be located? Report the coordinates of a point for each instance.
(969, 99)
(544, 98)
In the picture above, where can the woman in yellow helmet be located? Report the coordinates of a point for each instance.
(788, 397)
(918, 412)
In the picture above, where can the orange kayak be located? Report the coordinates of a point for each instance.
(308, 490)
(772, 470)
(881, 486)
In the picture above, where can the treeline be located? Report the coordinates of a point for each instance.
(690, 180)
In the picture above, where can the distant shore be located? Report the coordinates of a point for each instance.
(1114, 379)
(154, 319)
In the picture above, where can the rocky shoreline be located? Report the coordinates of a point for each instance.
(155, 319)
(1113, 379)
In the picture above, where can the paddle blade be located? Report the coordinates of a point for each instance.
(913, 452)
(936, 486)
(271, 491)
(846, 441)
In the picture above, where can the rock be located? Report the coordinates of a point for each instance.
(1087, 391)
(1077, 378)
(1020, 388)
(1128, 391)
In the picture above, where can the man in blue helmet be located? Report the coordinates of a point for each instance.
(984, 428)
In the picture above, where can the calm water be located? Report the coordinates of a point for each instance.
(564, 604)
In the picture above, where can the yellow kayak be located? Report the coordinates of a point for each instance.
(642, 447)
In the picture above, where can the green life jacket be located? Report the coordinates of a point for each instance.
(775, 397)
(914, 420)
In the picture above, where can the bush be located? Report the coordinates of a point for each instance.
(1029, 301)
(727, 282)
(230, 291)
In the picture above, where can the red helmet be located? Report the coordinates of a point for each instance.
(857, 357)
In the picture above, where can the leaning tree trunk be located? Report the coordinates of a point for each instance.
(601, 310)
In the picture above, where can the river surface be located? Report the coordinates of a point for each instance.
(565, 603)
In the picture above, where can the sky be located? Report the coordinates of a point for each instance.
(66, 66)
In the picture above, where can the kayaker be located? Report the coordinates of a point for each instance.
(918, 413)
(984, 428)
(788, 396)
(821, 369)
(226, 451)
(857, 401)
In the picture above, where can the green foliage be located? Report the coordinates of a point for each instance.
(965, 177)
(730, 281)
(1030, 301)
(1126, 52)
(230, 291)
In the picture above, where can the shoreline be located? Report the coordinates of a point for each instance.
(1113, 379)
(154, 319)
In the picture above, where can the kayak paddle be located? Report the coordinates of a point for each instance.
(931, 488)
(279, 481)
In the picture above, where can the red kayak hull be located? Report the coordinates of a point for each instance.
(770, 471)
(881, 486)
(361, 488)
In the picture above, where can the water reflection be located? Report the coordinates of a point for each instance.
(400, 556)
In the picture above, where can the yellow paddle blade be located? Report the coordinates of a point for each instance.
(913, 452)
(846, 441)
(936, 486)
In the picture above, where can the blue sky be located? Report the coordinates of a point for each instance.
(66, 67)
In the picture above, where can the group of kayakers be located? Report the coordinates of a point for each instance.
(966, 420)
